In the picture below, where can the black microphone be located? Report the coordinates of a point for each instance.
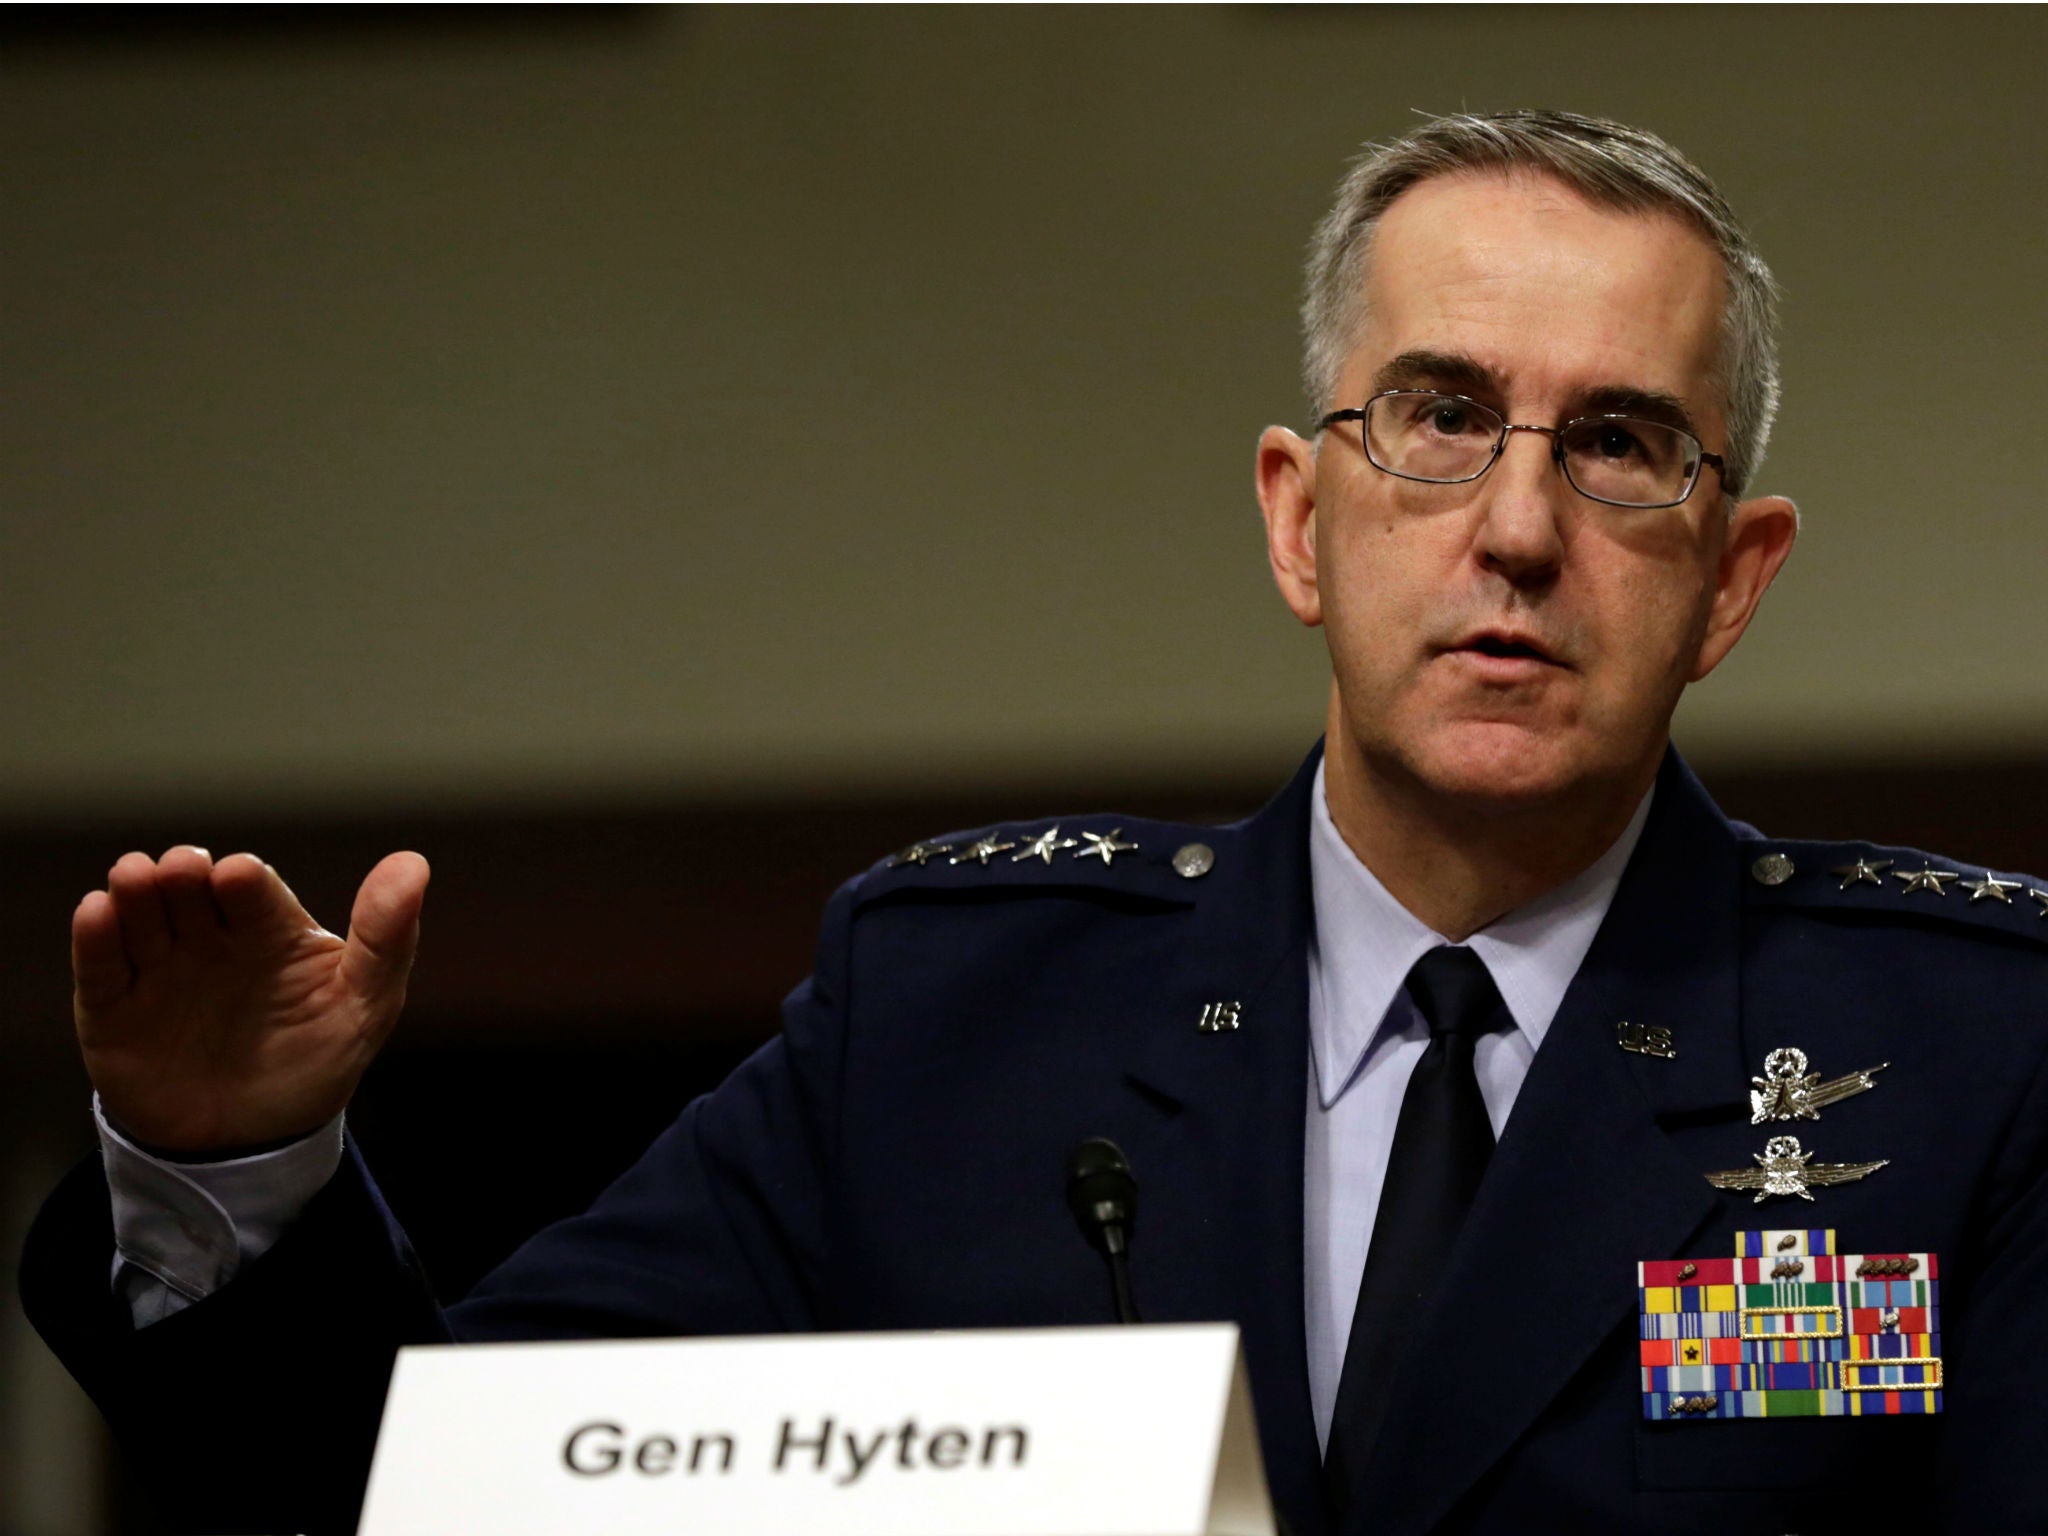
(1103, 1196)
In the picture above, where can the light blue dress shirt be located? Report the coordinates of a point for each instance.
(1365, 1037)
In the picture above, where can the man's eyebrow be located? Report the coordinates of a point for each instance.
(1460, 373)
(1628, 400)
(1422, 368)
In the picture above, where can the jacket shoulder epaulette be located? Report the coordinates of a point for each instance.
(1162, 861)
(1870, 879)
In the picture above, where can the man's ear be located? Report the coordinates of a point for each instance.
(1760, 535)
(1286, 479)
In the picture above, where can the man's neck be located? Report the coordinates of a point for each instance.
(1456, 866)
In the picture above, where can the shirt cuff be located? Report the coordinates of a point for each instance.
(193, 1225)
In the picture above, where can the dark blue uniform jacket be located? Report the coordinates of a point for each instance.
(894, 1160)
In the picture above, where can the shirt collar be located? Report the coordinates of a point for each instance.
(1365, 943)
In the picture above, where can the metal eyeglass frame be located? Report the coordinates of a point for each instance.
(1556, 434)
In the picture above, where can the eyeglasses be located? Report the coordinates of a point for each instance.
(1623, 461)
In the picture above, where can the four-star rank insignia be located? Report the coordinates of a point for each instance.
(1862, 872)
(1786, 1168)
(1989, 887)
(1926, 878)
(982, 851)
(1787, 1091)
(1788, 1328)
(1193, 860)
(1044, 846)
(1105, 848)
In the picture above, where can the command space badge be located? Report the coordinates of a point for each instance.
(1788, 1328)
(1787, 1091)
(1786, 1168)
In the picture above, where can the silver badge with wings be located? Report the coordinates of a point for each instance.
(1787, 1091)
(1785, 1168)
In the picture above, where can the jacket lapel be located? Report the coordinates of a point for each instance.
(1236, 1107)
(1584, 1183)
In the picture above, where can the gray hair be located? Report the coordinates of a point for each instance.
(1611, 165)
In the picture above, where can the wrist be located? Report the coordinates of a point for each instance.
(200, 1155)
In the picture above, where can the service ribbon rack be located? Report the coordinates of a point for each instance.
(1788, 1328)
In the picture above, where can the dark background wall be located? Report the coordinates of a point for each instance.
(657, 461)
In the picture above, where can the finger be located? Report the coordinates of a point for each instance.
(253, 897)
(384, 927)
(99, 964)
(139, 907)
(185, 877)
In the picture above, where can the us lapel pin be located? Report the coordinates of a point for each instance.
(1645, 1040)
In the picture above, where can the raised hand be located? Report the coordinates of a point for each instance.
(215, 1013)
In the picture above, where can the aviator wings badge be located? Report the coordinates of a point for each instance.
(1787, 1091)
(1785, 1168)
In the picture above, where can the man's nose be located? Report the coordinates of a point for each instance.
(1521, 504)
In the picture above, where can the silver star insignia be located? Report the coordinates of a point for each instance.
(1785, 1168)
(982, 851)
(917, 853)
(1105, 848)
(2041, 897)
(1862, 872)
(1924, 880)
(1991, 886)
(1044, 846)
(1787, 1091)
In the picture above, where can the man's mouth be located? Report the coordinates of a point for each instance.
(1504, 646)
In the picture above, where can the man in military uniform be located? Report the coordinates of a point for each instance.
(1438, 1072)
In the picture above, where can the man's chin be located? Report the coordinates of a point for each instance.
(1503, 768)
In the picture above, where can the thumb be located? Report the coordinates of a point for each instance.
(384, 927)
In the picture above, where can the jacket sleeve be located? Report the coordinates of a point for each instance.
(722, 1226)
(256, 1409)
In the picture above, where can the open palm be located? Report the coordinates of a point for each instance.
(214, 1013)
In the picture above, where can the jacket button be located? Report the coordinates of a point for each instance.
(1771, 869)
(1194, 860)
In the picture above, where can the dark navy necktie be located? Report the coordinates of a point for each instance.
(1442, 1143)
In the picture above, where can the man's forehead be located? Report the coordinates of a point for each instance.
(1455, 200)
(1512, 275)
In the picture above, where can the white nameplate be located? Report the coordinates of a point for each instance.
(1029, 1432)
